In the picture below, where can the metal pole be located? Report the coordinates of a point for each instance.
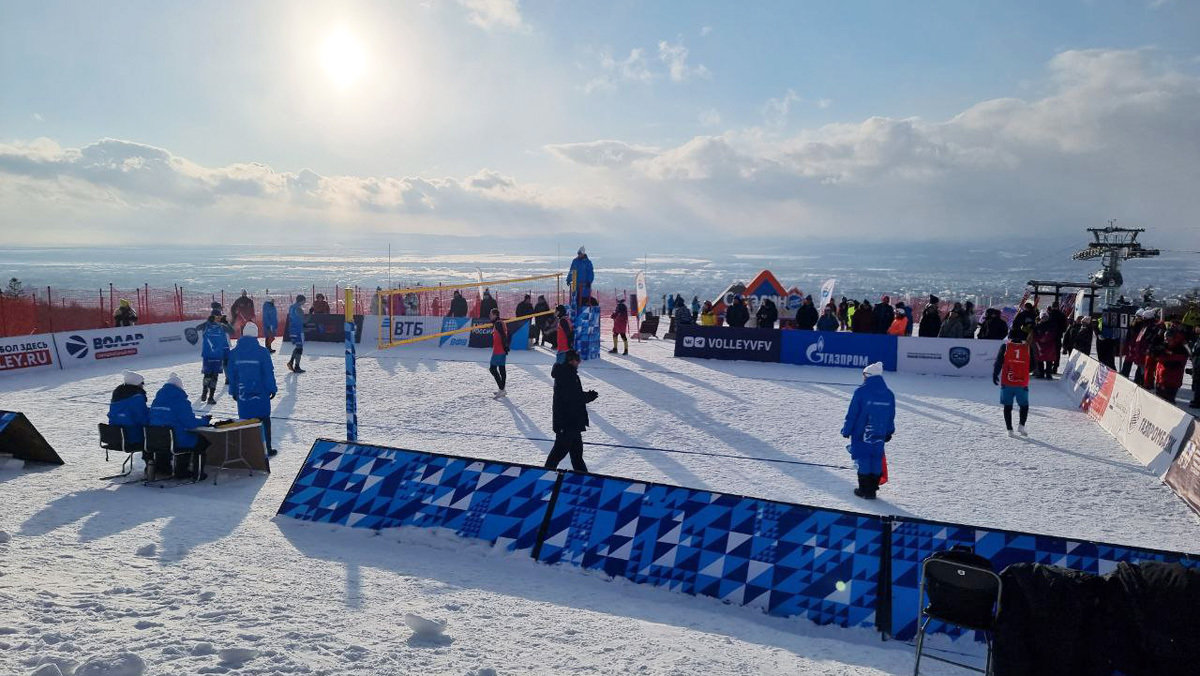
(49, 309)
(351, 372)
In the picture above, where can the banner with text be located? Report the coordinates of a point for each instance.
(723, 342)
(1184, 475)
(84, 348)
(846, 350)
(23, 354)
(946, 356)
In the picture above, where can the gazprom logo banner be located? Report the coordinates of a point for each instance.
(845, 350)
(724, 342)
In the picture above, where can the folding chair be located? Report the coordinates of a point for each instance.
(112, 438)
(963, 590)
(160, 441)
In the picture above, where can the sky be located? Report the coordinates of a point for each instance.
(667, 125)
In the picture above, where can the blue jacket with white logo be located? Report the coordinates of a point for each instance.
(270, 318)
(295, 327)
(216, 342)
(251, 378)
(171, 408)
(128, 409)
(870, 420)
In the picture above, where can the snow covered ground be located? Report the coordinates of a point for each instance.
(205, 579)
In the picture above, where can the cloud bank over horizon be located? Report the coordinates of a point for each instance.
(1109, 134)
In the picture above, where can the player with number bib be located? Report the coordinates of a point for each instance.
(1011, 372)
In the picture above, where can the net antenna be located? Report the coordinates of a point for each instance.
(437, 302)
(1113, 246)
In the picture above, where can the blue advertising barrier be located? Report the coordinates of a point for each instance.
(914, 540)
(832, 348)
(785, 559)
(727, 342)
(830, 566)
(366, 486)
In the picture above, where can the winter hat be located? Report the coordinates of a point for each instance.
(133, 378)
(875, 369)
(582, 251)
(124, 302)
(174, 379)
(300, 298)
(250, 329)
(886, 299)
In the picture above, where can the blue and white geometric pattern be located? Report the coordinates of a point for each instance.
(587, 332)
(786, 559)
(378, 487)
(914, 541)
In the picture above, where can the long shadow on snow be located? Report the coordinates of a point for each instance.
(200, 513)
(684, 408)
(564, 586)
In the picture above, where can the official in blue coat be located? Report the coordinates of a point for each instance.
(171, 408)
(128, 408)
(870, 423)
(252, 380)
(270, 323)
(214, 354)
(580, 276)
(295, 332)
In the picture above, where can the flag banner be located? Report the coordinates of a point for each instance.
(826, 293)
(642, 297)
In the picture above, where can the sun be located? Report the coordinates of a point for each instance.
(344, 58)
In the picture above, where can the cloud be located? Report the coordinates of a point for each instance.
(37, 117)
(143, 179)
(675, 55)
(633, 68)
(705, 31)
(494, 14)
(709, 118)
(1114, 136)
(602, 153)
(775, 111)
(638, 68)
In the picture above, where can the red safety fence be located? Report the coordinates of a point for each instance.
(48, 309)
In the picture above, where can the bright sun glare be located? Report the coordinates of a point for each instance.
(344, 58)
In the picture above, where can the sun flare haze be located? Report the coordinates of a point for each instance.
(344, 58)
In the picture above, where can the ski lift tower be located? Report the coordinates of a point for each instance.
(1113, 245)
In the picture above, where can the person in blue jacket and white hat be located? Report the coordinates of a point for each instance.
(171, 408)
(870, 423)
(252, 380)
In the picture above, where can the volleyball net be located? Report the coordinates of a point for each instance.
(450, 312)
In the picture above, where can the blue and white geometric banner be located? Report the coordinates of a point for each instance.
(377, 487)
(786, 559)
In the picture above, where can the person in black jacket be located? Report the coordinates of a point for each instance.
(993, 327)
(767, 314)
(570, 413)
(931, 320)
(541, 327)
(1028, 314)
(1082, 340)
(525, 307)
(487, 304)
(738, 314)
(458, 305)
(883, 315)
(806, 316)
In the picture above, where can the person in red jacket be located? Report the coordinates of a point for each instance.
(1045, 339)
(620, 317)
(500, 347)
(1172, 360)
(1011, 372)
(565, 335)
(1152, 345)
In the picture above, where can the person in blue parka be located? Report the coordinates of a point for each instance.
(128, 409)
(870, 423)
(252, 381)
(295, 332)
(214, 354)
(270, 323)
(171, 408)
(580, 277)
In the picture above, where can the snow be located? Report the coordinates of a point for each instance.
(218, 583)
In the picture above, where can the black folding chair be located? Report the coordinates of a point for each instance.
(963, 590)
(160, 443)
(112, 438)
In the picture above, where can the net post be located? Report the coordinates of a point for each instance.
(351, 372)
